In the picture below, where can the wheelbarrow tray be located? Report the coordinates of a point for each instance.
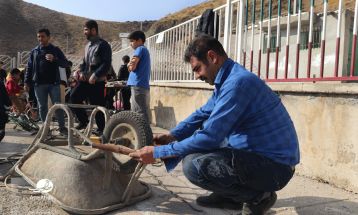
(78, 185)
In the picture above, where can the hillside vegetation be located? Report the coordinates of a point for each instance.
(20, 21)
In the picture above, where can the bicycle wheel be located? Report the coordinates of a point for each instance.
(26, 124)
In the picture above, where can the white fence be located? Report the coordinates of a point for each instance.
(279, 48)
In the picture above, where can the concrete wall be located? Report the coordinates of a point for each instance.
(325, 116)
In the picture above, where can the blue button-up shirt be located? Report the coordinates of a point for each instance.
(243, 113)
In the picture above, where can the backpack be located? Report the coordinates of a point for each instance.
(206, 24)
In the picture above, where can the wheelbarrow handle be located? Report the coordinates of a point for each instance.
(113, 148)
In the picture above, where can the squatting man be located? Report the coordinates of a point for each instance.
(241, 145)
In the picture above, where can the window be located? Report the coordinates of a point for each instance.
(272, 43)
(316, 38)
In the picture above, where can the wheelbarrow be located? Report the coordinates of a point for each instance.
(90, 179)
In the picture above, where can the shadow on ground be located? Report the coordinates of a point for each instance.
(306, 205)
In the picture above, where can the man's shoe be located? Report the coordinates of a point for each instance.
(63, 131)
(81, 126)
(262, 206)
(217, 201)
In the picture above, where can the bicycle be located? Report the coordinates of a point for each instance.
(26, 120)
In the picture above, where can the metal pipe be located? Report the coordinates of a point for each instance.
(298, 38)
(323, 41)
(354, 40)
(310, 40)
(268, 40)
(278, 37)
(288, 38)
(227, 25)
(252, 34)
(239, 35)
(260, 37)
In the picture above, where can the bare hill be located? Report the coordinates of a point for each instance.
(20, 21)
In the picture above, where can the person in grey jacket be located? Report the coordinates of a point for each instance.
(92, 75)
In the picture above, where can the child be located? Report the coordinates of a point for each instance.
(139, 68)
(123, 75)
(4, 101)
(15, 92)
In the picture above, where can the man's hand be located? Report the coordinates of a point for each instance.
(79, 76)
(26, 87)
(92, 79)
(50, 57)
(163, 139)
(132, 65)
(144, 155)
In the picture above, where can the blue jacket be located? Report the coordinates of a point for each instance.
(243, 113)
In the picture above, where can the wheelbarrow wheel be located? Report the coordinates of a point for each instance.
(132, 127)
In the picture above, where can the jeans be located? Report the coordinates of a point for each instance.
(42, 91)
(140, 98)
(236, 174)
(94, 94)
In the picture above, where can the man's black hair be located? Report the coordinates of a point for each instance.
(125, 59)
(15, 71)
(91, 24)
(136, 35)
(200, 46)
(44, 30)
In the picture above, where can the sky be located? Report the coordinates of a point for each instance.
(117, 10)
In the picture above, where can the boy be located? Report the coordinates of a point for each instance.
(15, 92)
(123, 75)
(139, 74)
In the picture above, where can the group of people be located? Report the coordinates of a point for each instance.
(43, 77)
(241, 145)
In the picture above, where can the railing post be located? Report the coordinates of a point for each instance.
(227, 31)
(240, 31)
(18, 59)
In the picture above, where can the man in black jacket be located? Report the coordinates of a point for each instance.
(2, 73)
(92, 75)
(123, 75)
(4, 101)
(43, 73)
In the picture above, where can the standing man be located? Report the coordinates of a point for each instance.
(241, 145)
(4, 101)
(92, 75)
(139, 68)
(43, 73)
(2, 73)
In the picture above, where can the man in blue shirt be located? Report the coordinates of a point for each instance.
(139, 68)
(241, 145)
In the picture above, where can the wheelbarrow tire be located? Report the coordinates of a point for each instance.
(137, 123)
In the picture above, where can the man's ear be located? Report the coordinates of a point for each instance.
(212, 57)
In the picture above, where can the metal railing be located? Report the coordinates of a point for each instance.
(167, 48)
(23, 57)
(7, 60)
(243, 40)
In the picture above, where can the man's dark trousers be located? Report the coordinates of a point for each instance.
(236, 174)
(94, 94)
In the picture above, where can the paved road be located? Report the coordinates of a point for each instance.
(173, 194)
